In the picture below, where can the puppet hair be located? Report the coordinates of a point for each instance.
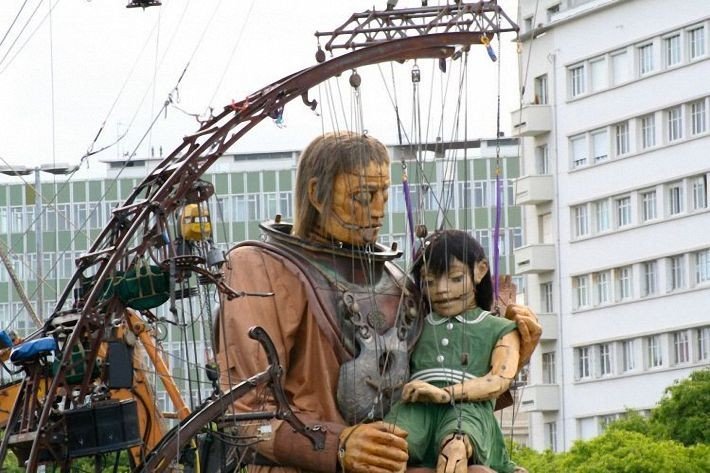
(325, 158)
(441, 248)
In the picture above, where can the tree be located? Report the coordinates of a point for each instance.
(683, 414)
(674, 439)
(618, 451)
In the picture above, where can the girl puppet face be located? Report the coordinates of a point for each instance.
(453, 292)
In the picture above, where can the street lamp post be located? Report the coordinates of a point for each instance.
(56, 169)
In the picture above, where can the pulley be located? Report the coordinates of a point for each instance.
(355, 80)
(416, 74)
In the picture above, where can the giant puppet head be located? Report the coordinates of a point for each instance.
(341, 189)
(452, 271)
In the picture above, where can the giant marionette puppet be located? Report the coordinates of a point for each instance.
(343, 316)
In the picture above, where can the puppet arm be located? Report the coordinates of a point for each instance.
(529, 329)
(504, 366)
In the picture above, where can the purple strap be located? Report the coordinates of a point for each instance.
(410, 215)
(496, 233)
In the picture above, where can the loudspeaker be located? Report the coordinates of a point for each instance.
(106, 426)
(120, 366)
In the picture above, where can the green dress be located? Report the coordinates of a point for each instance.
(450, 351)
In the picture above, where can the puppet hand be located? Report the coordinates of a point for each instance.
(373, 448)
(454, 455)
(419, 391)
(529, 328)
(507, 292)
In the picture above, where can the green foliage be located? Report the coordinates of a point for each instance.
(684, 411)
(533, 461)
(618, 451)
(674, 439)
(632, 421)
(10, 465)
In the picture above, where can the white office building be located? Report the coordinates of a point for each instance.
(615, 121)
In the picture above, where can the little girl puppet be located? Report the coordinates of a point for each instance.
(464, 359)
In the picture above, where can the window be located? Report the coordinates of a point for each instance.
(542, 159)
(578, 149)
(648, 131)
(648, 205)
(671, 50)
(528, 22)
(601, 214)
(681, 347)
(600, 145)
(649, 278)
(620, 70)
(605, 359)
(629, 361)
(696, 43)
(577, 85)
(675, 198)
(602, 287)
(541, 97)
(480, 193)
(551, 436)
(654, 351)
(700, 194)
(549, 368)
(645, 53)
(484, 238)
(583, 363)
(599, 74)
(581, 286)
(676, 269)
(697, 118)
(702, 267)
(623, 283)
(675, 123)
(552, 10)
(623, 211)
(605, 421)
(622, 138)
(546, 296)
(704, 344)
(581, 220)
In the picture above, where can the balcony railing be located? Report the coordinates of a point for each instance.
(533, 190)
(532, 120)
(534, 259)
(540, 398)
(549, 326)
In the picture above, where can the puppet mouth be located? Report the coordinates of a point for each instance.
(369, 234)
(449, 300)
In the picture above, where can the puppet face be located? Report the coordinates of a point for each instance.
(358, 206)
(453, 292)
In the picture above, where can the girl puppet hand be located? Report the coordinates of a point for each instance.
(421, 391)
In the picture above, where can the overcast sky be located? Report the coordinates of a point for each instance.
(90, 62)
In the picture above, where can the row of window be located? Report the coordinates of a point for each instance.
(672, 273)
(244, 207)
(590, 427)
(508, 240)
(54, 266)
(683, 347)
(646, 132)
(638, 61)
(640, 207)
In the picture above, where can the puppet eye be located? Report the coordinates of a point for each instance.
(363, 197)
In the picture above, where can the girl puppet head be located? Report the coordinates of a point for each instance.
(452, 271)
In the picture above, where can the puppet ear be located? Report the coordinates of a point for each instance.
(313, 194)
(480, 270)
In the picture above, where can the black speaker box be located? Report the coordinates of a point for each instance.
(107, 426)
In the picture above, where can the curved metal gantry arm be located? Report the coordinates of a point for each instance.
(138, 224)
(183, 433)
